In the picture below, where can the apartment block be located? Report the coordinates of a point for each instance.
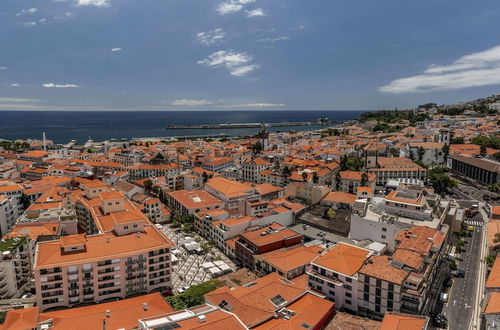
(335, 274)
(78, 269)
(15, 266)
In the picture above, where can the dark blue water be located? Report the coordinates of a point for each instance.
(63, 126)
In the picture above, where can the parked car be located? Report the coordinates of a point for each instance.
(460, 273)
(448, 282)
(184, 288)
(443, 297)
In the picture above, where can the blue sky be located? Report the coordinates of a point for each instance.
(246, 54)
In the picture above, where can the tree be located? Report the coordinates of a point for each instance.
(330, 213)
(420, 153)
(412, 155)
(304, 176)
(394, 152)
(286, 172)
(440, 181)
(25, 201)
(483, 150)
(489, 260)
(337, 181)
(495, 187)
(364, 179)
(193, 296)
(159, 156)
(496, 156)
(343, 163)
(148, 184)
(446, 151)
(257, 148)
(315, 177)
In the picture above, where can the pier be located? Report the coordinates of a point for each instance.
(321, 121)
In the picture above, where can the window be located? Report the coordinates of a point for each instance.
(348, 295)
(125, 227)
(390, 295)
(383, 237)
(347, 301)
(366, 297)
(225, 305)
(332, 293)
(377, 308)
(384, 229)
(378, 300)
(135, 226)
(378, 292)
(379, 283)
(277, 300)
(390, 305)
(348, 279)
(391, 286)
(367, 288)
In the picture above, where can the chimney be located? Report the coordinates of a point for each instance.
(145, 306)
(108, 313)
(202, 318)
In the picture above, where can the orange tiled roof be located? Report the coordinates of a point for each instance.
(289, 259)
(379, 267)
(228, 187)
(252, 304)
(493, 304)
(100, 247)
(493, 281)
(393, 321)
(256, 238)
(309, 309)
(343, 258)
(21, 319)
(123, 314)
(340, 197)
(353, 175)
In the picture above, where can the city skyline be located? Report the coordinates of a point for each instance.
(245, 54)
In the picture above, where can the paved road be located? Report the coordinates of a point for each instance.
(459, 307)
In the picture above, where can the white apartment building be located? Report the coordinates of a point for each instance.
(78, 269)
(251, 168)
(8, 213)
(15, 266)
(335, 274)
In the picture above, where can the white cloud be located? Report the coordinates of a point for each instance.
(238, 64)
(3, 68)
(42, 21)
(211, 37)
(27, 11)
(262, 105)
(95, 3)
(243, 70)
(274, 39)
(28, 24)
(190, 103)
(14, 85)
(16, 100)
(231, 6)
(477, 69)
(116, 49)
(256, 12)
(52, 85)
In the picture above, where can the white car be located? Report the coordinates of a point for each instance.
(443, 297)
(184, 288)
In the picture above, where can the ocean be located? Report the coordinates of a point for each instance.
(64, 126)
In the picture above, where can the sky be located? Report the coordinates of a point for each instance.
(246, 54)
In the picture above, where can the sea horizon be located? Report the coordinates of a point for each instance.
(64, 126)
